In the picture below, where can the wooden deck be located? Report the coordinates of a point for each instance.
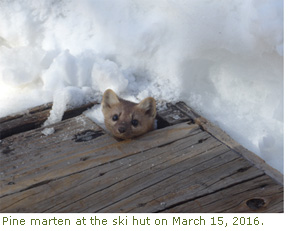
(187, 165)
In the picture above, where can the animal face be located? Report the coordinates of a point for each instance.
(125, 119)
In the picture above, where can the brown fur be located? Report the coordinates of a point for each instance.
(133, 119)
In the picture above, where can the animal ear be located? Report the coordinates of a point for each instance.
(109, 98)
(148, 105)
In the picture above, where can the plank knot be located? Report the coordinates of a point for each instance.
(255, 203)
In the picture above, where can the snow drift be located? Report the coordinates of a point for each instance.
(224, 58)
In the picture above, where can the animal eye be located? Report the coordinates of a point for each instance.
(134, 123)
(115, 117)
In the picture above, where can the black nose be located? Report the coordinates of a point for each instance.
(121, 129)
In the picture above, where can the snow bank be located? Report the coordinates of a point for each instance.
(224, 58)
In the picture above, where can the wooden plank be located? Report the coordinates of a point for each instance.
(130, 168)
(24, 121)
(30, 158)
(146, 173)
(241, 197)
(33, 110)
(199, 178)
(33, 118)
(52, 160)
(142, 175)
(178, 168)
(227, 140)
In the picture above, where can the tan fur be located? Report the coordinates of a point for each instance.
(128, 113)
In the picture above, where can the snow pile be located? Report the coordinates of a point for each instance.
(66, 98)
(224, 58)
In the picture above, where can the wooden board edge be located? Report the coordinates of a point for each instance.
(223, 137)
(33, 110)
(34, 118)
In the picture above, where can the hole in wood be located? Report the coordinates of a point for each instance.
(255, 203)
(202, 140)
(84, 158)
(102, 174)
(161, 123)
(87, 135)
(243, 169)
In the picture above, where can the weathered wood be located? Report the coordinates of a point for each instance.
(31, 157)
(171, 115)
(33, 118)
(238, 198)
(227, 140)
(178, 168)
(60, 163)
(24, 121)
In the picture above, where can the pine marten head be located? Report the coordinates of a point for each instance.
(125, 119)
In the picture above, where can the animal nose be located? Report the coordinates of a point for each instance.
(121, 129)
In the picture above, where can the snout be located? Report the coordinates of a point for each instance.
(122, 129)
(123, 132)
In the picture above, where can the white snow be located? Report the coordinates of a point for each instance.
(224, 58)
(48, 131)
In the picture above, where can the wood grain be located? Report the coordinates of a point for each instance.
(33, 118)
(181, 167)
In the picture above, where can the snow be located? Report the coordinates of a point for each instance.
(224, 58)
(48, 131)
